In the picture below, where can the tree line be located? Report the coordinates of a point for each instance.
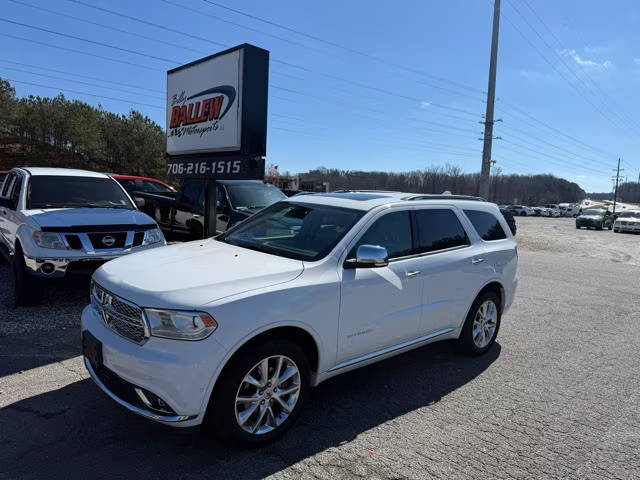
(505, 189)
(58, 132)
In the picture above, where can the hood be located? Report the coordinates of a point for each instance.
(79, 217)
(189, 275)
(591, 217)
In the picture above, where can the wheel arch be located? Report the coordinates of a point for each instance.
(305, 337)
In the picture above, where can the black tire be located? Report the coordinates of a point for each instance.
(196, 231)
(466, 342)
(27, 289)
(221, 413)
(610, 227)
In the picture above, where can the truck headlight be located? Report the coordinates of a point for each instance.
(49, 240)
(180, 325)
(152, 236)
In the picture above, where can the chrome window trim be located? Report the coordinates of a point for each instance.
(425, 254)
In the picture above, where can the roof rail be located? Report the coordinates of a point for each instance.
(442, 197)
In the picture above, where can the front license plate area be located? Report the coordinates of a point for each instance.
(92, 349)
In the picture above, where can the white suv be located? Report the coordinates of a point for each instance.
(56, 222)
(234, 330)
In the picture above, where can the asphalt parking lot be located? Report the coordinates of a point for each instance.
(557, 397)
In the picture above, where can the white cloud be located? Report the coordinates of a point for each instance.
(573, 54)
(425, 104)
(596, 49)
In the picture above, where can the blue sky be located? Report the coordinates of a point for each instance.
(567, 89)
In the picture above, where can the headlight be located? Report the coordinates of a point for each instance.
(180, 325)
(152, 236)
(49, 240)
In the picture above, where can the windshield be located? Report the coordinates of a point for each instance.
(54, 191)
(253, 195)
(593, 212)
(629, 214)
(291, 230)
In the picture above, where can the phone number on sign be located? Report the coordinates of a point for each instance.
(204, 168)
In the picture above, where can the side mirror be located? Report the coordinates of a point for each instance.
(139, 202)
(369, 256)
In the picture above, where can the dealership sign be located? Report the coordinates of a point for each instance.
(217, 106)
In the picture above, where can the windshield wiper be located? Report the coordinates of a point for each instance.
(52, 205)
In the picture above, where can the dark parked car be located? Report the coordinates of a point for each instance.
(595, 218)
(182, 212)
(511, 221)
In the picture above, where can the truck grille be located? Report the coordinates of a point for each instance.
(119, 315)
(108, 240)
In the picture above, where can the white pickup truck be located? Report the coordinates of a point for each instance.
(57, 222)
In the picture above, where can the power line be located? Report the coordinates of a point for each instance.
(146, 22)
(94, 42)
(82, 76)
(109, 27)
(582, 67)
(287, 63)
(275, 60)
(81, 52)
(559, 72)
(239, 25)
(558, 160)
(78, 81)
(342, 47)
(85, 93)
(553, 129)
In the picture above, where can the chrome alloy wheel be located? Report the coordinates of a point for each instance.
(484, 324)
(267, 395)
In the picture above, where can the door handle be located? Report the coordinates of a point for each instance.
(475, 261)
(412, 274)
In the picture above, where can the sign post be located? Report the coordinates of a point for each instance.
(217, 120)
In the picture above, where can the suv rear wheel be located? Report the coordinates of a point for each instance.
(260, 393)
(27, 289)
(482, 324)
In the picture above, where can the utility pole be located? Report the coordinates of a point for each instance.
(485, 171)
(615, 192)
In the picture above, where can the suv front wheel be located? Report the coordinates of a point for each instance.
(260, 393)
(482, 324)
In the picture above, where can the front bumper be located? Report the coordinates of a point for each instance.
(47, 266)
(588, 223)
(627, 228)
(181, 373)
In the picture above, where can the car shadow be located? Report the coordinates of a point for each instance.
(32, 336)
(88, 435)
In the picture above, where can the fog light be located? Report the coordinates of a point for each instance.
(153, 401)
(47, 268)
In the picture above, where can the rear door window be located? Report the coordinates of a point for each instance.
(439, 229)
(154, 187)
(486, 224)
(128, 185)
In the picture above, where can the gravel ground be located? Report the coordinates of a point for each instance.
(557, 397)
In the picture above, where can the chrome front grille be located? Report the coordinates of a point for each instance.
(120, 315)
